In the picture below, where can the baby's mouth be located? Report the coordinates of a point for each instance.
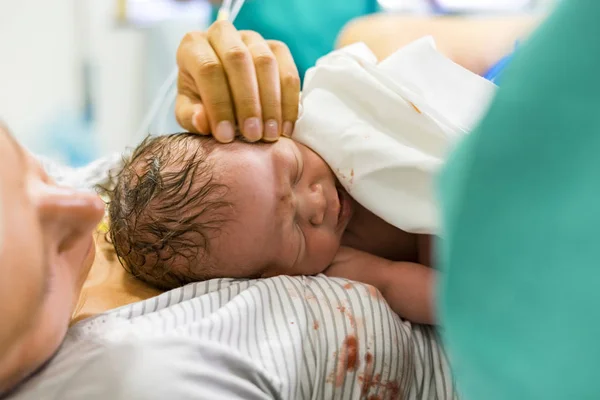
(341, 203)
(345, 209)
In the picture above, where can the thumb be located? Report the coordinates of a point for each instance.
(191, 115)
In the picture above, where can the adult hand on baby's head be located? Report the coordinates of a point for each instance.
(227, 76)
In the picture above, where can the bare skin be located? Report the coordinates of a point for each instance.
(43, 316)
(290, 216)
(262, 81)
(46, 248)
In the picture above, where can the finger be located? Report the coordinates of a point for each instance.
(269, 87)
(290, 85)
(191, 115)
(237, 62)
(188, 106)
(197, 58)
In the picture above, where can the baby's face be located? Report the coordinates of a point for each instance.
(287, 215)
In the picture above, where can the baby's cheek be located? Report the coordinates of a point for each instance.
(323, 249)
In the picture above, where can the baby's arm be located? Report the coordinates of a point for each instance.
(407, 287)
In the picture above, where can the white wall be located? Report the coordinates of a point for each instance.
(38, 68)
(42, 46)
(131, 63)
(117, 55)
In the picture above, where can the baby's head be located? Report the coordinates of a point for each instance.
(186, 209)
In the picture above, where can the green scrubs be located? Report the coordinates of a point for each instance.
(520, 295)
(308, 27)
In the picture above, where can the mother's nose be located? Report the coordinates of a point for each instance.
(67, 213)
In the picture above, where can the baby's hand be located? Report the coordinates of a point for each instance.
(407, 287)
(358, 265)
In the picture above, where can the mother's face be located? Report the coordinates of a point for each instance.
(46, 250)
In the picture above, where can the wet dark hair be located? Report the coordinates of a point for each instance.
(165, 208)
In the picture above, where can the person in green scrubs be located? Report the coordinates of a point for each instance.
(308, 27)
(520, 247)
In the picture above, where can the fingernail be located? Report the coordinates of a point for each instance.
(252, 129)
(287, 129)
(271, 130)
(224, 132)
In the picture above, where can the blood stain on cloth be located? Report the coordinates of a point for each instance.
(351, 320)
(342, 177)
(350, 317)
(348, 286)
(415, 107)
(316, 325)
(373, 292)
(347, 359)
(339, 173)
(367, 375)
(391, 389)
(351, 346)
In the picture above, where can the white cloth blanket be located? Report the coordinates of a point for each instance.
(385, 129)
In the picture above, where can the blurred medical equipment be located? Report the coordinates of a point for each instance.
(466, 6)
(147, 12)
(479, 6)
(495, 72)
(229, 10)
(167, 93)
(309, 28)
(385, 129)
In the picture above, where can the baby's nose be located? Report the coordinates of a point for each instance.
(317, 204)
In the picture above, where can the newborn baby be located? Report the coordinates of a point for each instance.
(186, 209)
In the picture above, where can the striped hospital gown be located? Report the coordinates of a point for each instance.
(313, 337)
(310, 337)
